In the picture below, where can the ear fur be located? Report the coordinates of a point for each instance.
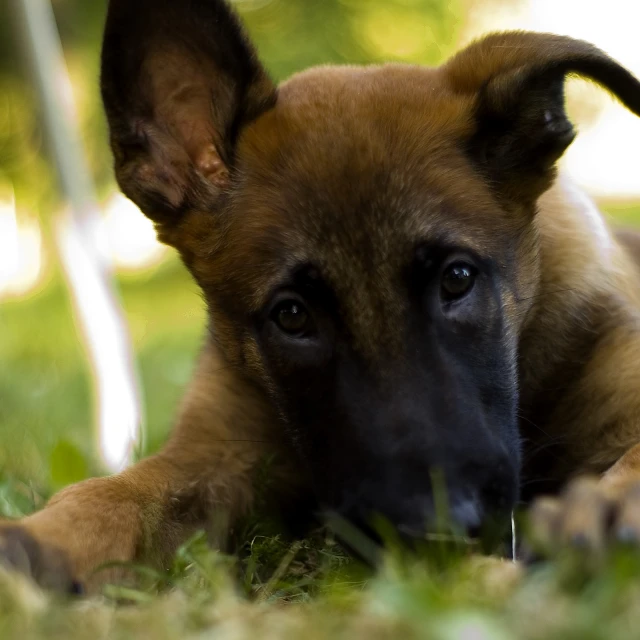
(179, 81)
(518, 81)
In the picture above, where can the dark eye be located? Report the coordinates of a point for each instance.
(291, 317)
(457, 281)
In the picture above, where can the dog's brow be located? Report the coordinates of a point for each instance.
(448, 243)
(289, 276)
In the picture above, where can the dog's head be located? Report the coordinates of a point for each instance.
(363, 237)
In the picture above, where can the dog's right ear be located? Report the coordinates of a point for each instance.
(179, 81)
(515, 81)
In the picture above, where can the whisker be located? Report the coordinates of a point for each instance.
(533, 424)
(514, 543)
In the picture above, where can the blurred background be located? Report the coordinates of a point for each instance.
(52, 373)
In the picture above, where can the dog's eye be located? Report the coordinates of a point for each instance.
(457, 281)
(291, 317)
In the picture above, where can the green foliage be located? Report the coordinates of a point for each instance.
(623, 214)
(16, 499)
(67, 464)
(291, 35)
(46, 388)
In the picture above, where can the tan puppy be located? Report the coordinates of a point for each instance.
(397, 287)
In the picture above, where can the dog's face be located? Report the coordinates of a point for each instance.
(363, 237)
(371, 295)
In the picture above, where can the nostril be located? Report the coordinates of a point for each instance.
(467, 514)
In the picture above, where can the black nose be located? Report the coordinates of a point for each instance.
(475, 496)
(415, 516)
(463, 516)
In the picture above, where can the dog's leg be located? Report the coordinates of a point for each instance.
(596, 422)
(205, 472)
(593, 512)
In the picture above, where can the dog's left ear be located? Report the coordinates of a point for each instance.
(515, 81)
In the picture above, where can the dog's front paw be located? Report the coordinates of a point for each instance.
(589, 516)
(46, 565)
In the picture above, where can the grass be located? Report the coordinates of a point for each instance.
(275, 588)
(45, 388)
(205, 596)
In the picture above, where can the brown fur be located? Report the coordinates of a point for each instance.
(245, 197)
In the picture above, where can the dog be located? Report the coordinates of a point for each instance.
(401, 293)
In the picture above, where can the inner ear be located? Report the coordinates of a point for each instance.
(193, 111)
(179, 82)
(522, 128)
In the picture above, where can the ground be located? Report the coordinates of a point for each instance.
(278, 588)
